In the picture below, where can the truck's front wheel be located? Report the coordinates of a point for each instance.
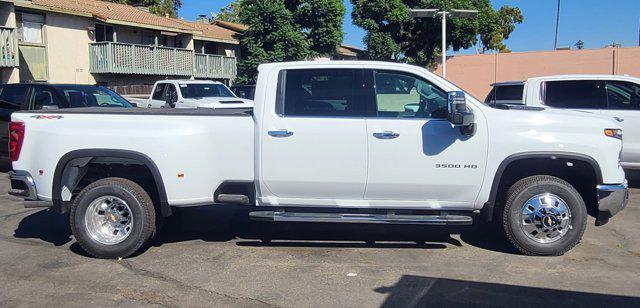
(544, 215)
(112, 218)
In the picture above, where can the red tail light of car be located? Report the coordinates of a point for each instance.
(16, 136)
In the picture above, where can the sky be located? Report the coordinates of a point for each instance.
(596, 22)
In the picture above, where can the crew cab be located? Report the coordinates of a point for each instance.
(608, 95)
(194, 94)
(342, 142)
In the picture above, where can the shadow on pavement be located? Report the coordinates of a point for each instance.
(46, 225)
(417, 291)
(227, 222)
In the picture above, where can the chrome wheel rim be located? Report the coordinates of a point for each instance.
(545, 218)
(108, 220)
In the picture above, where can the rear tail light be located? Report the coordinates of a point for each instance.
(16, 136)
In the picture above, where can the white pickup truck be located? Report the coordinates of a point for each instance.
(343, 142)
(615, 96)
(194, 94)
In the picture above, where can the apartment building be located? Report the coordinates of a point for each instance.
(97, 42)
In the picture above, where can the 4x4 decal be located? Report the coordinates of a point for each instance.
(47, 117)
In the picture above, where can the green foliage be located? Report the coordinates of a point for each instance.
(287, 30)
(159, 7)
(393, 35)
(321, 21)
(230, 12)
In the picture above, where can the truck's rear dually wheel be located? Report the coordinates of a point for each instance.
(544, 215)
(113, 218)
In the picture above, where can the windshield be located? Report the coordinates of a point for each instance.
(198, 90)
(92, 96)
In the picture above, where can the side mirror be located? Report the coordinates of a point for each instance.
(459, 114)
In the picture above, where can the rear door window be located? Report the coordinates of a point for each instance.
(12, 97)
(321, 93)
(509, 94)
(576, 94)
(623, 95)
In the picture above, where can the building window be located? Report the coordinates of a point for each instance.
(30, 28)
(104, 33)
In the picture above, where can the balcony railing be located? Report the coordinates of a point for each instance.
(120, 58)
(214, 65)
(8, 47)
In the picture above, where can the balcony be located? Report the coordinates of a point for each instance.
(119, 58)
(8, 47)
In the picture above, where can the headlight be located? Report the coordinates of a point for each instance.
(613, 133)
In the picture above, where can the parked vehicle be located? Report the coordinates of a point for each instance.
(23, 96)
(194, 94)
(509, 93)
(244, 91)
(344, 142)
(608, 95)
(137, 100)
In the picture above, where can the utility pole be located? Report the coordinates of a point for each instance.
(555, 46)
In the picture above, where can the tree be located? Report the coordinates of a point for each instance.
(159, 7)
(287, 30)
(230, 12)
(579, 45)
(393, 35)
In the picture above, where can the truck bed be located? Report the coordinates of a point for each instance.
(205, 146)
(246, 112)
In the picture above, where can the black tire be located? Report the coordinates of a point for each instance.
(142, 210)
(527, 188)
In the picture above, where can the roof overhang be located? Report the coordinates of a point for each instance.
(209, 39)
(31, 6)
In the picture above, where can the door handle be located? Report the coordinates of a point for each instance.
(386, 135)
(619, 119)
(281, 133)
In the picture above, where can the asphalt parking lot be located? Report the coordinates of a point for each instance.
(213, 256)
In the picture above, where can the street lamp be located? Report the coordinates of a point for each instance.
(432, 13)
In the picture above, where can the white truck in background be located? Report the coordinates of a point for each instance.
(193, 94)
(342, 142)
(613, 96)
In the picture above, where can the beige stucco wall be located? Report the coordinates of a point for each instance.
(67, 40)
(476, 73)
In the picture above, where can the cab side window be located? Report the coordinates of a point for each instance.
(158, 92)
(623, 95)
(577, 94)
(403, 95)
(42, 98)
(321, 93)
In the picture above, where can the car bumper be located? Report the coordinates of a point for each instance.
(22, 185)
(611, 200)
